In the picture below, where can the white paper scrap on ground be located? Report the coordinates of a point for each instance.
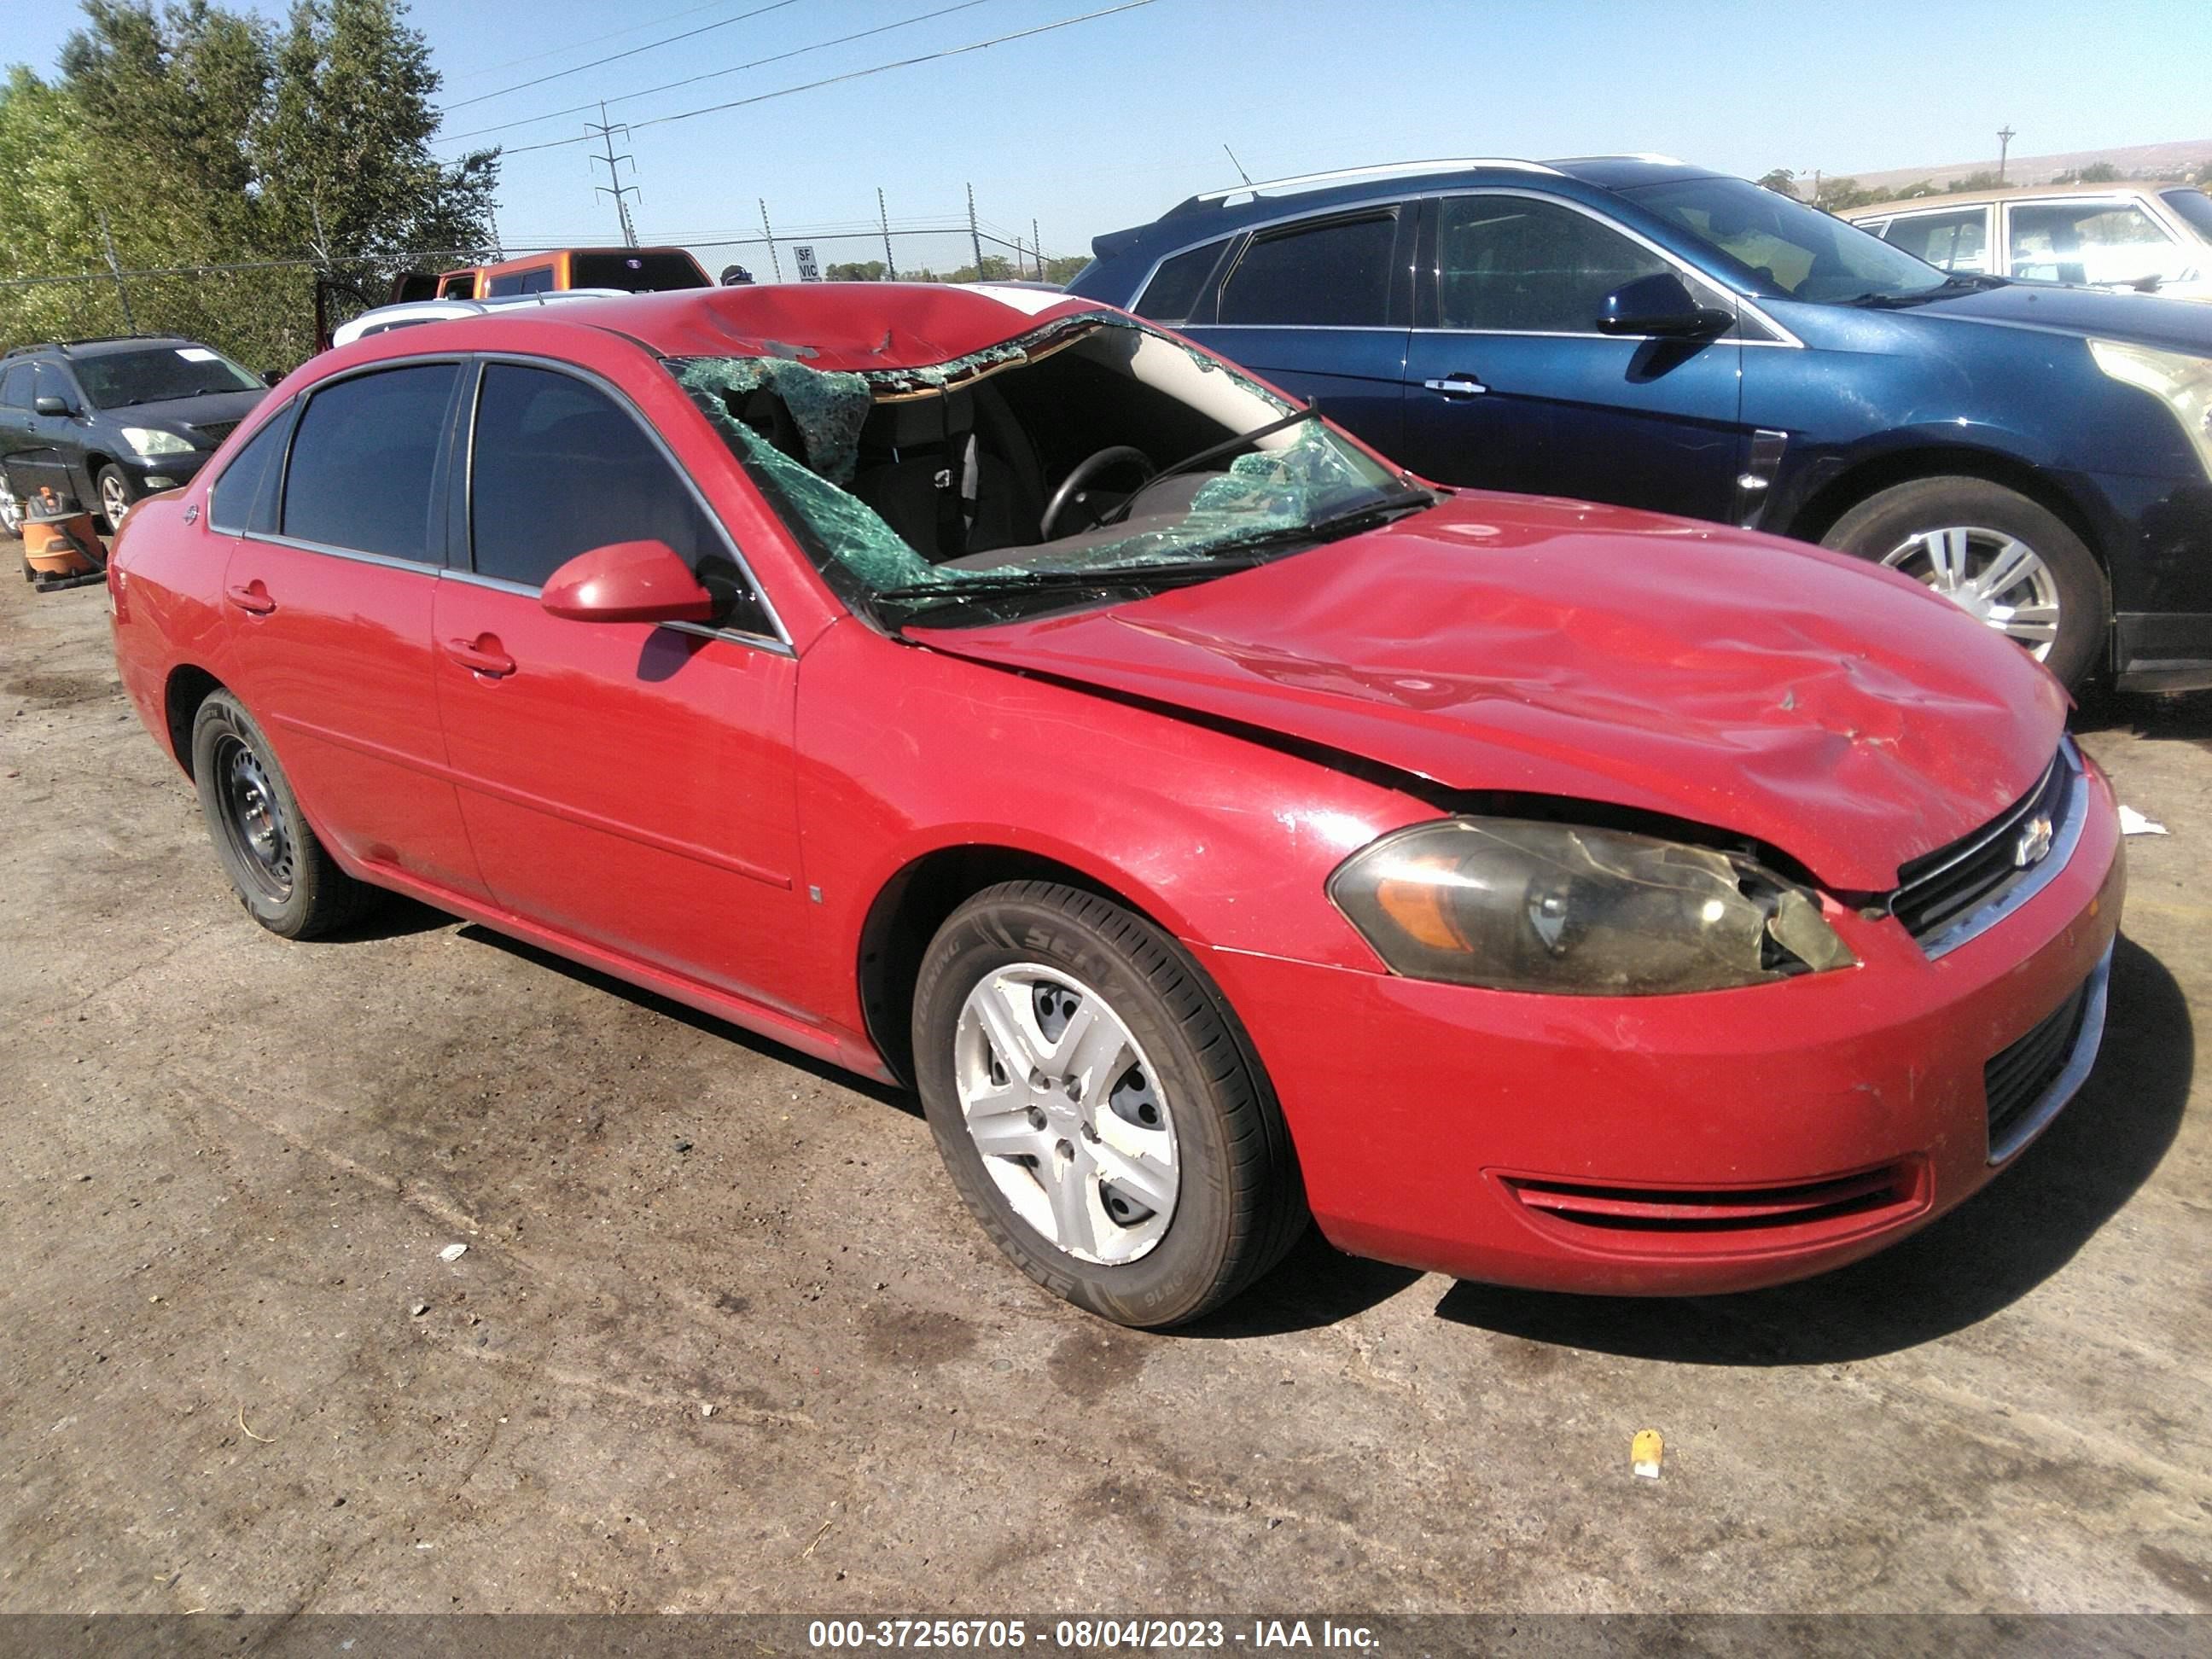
(2133, 823)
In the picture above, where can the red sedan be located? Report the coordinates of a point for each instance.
(1216, 825)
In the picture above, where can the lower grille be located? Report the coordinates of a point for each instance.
(217, 431)
(1725, 1215)
(2017, 1078)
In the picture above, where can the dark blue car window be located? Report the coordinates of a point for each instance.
(1512, 263)
(231, 503)
(1332, 275)
(363, 459)
(1174, 288)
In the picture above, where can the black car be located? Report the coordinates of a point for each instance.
(109, 421)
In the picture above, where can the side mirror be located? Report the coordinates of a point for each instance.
(628, 582)
(271, 376)
(1659, 305)
(50, 405)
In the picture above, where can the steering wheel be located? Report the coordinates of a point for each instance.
(1085, 470)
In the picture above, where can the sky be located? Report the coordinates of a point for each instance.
(1109, 122)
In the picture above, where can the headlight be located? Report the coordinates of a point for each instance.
(2181, 382)
(147, 440)
(1521, 905)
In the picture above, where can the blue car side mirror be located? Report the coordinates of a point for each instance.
(1661, 305)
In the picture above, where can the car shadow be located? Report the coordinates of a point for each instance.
(394, 918)
(1316, 1285)
(886, 1094)
(2185, 716)
(1995, 1249)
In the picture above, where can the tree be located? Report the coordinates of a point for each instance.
(1984, 180)
(1835, 195)
(1062, 270)
(2097, 172)
(1914, 191)
(1781, 181)
(865, 271)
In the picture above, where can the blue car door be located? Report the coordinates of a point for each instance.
(1322, 307)
(1511, 385)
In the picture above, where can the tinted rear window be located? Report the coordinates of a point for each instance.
(1174, 288)
(362, 462)
(1334, 274)
(635, 273)
(538, 279)
(2195, 206)
(231, 501)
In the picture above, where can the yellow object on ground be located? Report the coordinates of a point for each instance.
(1645, 1453)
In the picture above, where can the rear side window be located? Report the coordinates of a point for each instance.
(538, 279)
(1950, 241)
(1175, 286)
(559, 468)
(231, 503)
(363, 458)
(635, 273)
(1517, 265)
(1333, 275)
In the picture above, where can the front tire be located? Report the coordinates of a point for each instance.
(1997, 556)
(1096, 1109)
(282, 875)
(116, 493)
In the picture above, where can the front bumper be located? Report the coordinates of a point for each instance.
(158, 472)
(1695, 1144)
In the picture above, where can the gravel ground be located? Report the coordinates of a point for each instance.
(722, 1338)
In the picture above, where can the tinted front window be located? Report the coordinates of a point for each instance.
(1768, 239)
(1335, 275)
(635, 273)
(231, 502)
(558, 469)
(117, 380)
(1175, 286)
(1949, 241)
(362, 462)
(2090, 241)
(15, 389)
(1512, 263)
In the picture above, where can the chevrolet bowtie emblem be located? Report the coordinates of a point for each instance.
(2033, 843)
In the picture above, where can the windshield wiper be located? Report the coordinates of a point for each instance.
(1212, 453)
(1046, 581)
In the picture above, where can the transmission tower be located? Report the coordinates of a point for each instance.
(614, 186)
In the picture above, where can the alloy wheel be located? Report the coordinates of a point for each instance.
(11, 510)
(1990, 575)
(114, 502)
(1062, 1103)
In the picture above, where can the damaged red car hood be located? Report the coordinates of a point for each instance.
(1840, 713)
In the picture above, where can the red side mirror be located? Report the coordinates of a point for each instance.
(628, 582)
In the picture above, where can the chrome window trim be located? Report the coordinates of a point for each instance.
(2065, 838)
(1750, 306)
(355, 555)
(781, 636)
(2068, 1082)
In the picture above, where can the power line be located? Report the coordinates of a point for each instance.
(712, 74)
(593, 40)
(616, 57)
(852, 75)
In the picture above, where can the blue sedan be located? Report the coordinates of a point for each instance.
(1636, 330)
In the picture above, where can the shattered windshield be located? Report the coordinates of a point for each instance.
(1085, 459)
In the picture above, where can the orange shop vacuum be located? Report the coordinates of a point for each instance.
(61, 544)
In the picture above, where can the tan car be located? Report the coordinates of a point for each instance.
(2154, 237)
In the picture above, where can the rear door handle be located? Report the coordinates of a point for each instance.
(251, 597)
(1461, 384)
(482, 655)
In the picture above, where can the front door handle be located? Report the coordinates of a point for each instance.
(1461, 384)
(251, 597)
(482, 655)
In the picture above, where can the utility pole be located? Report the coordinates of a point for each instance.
(774, 264)
(1037, 247)
(115, 270)
(614, 186)
(2005, 135)
(883, 217)
(975, 236)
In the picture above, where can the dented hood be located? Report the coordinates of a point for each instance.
(1839, 712)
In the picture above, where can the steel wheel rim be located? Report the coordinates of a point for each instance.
(1996, 578)
(252, 823)
(1064, 1108)
(113, 503)
(11, 510)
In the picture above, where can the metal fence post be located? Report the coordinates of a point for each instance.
(975, 236)
(883, 217)
(774, 264)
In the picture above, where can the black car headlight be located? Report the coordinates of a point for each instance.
(1517, 905)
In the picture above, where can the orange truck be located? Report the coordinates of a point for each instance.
(632, 269)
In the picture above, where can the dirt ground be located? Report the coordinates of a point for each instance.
(723, 1339)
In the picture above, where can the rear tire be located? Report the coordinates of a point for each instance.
(1950, 532)
(1169, 1075)
(282, 873)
